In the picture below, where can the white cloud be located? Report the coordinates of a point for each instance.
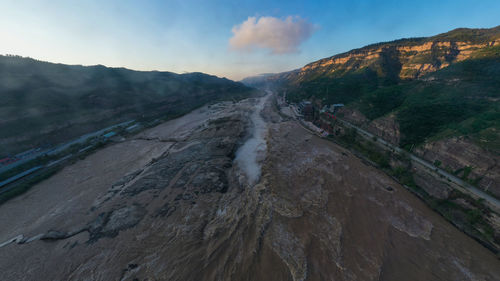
(281, 36)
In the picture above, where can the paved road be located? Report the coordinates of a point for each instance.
(16, 177)
(52, 151)
(61, 147)
(85, 137)
(463, 186)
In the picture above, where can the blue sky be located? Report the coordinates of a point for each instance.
(194, 35)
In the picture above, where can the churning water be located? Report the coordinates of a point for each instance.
(250, 155)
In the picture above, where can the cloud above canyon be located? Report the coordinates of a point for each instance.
(280, 36)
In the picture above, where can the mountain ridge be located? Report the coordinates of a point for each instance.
(434, 95)
(49, 102)
(458, 45)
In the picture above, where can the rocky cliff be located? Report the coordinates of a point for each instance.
(405, 58)
(458, 155)
(385, 127)
(439, 94)
(414, 60)
(465, 159)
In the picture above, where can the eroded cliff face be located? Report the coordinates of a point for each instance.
(353, 116)
(412, 61)
(173, 204)
(385, 127)
(466, 159)
(458, 155)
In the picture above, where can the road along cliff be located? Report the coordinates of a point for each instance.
(230, 192)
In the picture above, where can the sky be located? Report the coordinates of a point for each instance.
(232, 39)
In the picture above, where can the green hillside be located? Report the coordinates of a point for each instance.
(462, 99)
(46, 103)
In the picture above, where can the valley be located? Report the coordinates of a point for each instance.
(345, 159)
(201, 197)
(447, 112)
(45, 104)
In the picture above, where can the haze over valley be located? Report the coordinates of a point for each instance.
(350, 141)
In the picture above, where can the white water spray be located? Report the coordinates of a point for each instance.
(251, 154)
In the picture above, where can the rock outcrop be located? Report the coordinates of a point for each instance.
(458, 155)
(466, 159)
(387, 128)
(404, 59)
(415, 59)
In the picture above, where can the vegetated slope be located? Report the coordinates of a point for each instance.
(404, 58)
(456, 90)
(462, 99)
(43, 102)
(438, 95)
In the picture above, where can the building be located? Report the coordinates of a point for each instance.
(108, 135)
(307, 110)
(331, 108)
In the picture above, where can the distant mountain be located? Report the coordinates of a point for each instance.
(257, 79)
(43, 102)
